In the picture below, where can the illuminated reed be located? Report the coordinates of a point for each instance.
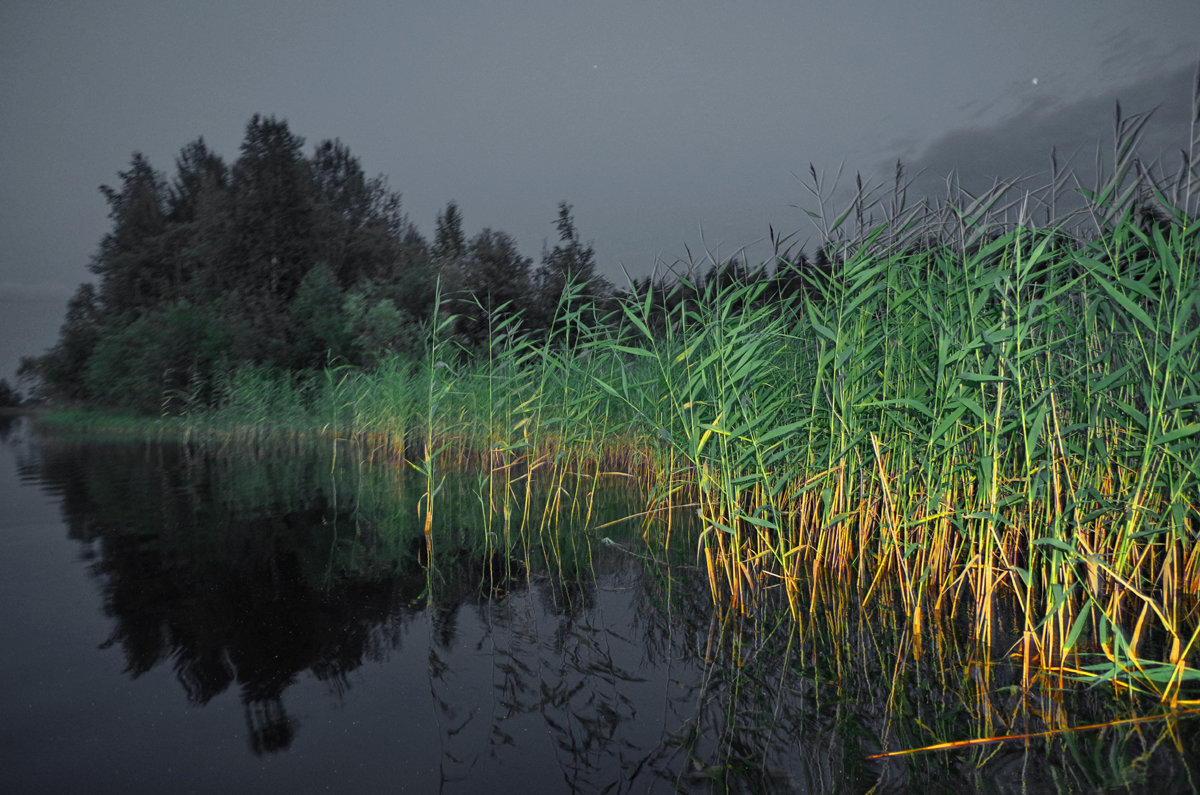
(963, 416)
(956, 432)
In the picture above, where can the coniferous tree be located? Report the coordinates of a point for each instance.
(449, 249)
(411, 278)
(318, 330)
(198, 205)
(200, 176)
(131, 262)
(495, 281)
(570, 262)
(449, 242)
(273, 242)
(352, 221)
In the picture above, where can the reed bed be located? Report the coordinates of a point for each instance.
(964, 416)
(957, 433)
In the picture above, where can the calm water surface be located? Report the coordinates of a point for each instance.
(190, 619)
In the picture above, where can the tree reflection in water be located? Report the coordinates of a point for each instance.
(559, 656)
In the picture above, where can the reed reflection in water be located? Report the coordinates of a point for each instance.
(291, 585)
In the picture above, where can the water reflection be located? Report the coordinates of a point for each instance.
(8, 424)
(218, 564)
(525, 658)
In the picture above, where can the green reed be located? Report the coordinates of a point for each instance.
(951, 430)
(964, 415)
(1016, 421)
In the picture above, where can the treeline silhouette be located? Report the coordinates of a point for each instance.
(284, 261)
(291, 263)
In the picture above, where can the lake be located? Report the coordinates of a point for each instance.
(218, 617)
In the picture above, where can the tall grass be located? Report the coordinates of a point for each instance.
(958, 433)
(952, 430)
(968, 417)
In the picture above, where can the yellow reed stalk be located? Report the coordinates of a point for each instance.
(910, 604)
(1136, 637)
(1179, 656)
(1166, 622)
(712, 575)
(955, 744)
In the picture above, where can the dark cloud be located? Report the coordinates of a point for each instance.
(1019, 146)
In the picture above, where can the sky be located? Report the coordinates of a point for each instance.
(670, 126)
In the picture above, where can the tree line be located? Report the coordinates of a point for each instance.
(281, 260)
(295, 262)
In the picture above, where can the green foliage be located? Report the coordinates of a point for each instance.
(318, 329)
(131, 263)
(166, 360)
(262, 398)
(450, 242)
(570, 262)
(494, 281)
(380, 328)
(1012, 424)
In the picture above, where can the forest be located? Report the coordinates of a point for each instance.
(284, 261)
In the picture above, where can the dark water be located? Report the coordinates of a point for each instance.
(211, 619)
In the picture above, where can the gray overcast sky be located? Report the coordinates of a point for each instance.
(655, 119)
